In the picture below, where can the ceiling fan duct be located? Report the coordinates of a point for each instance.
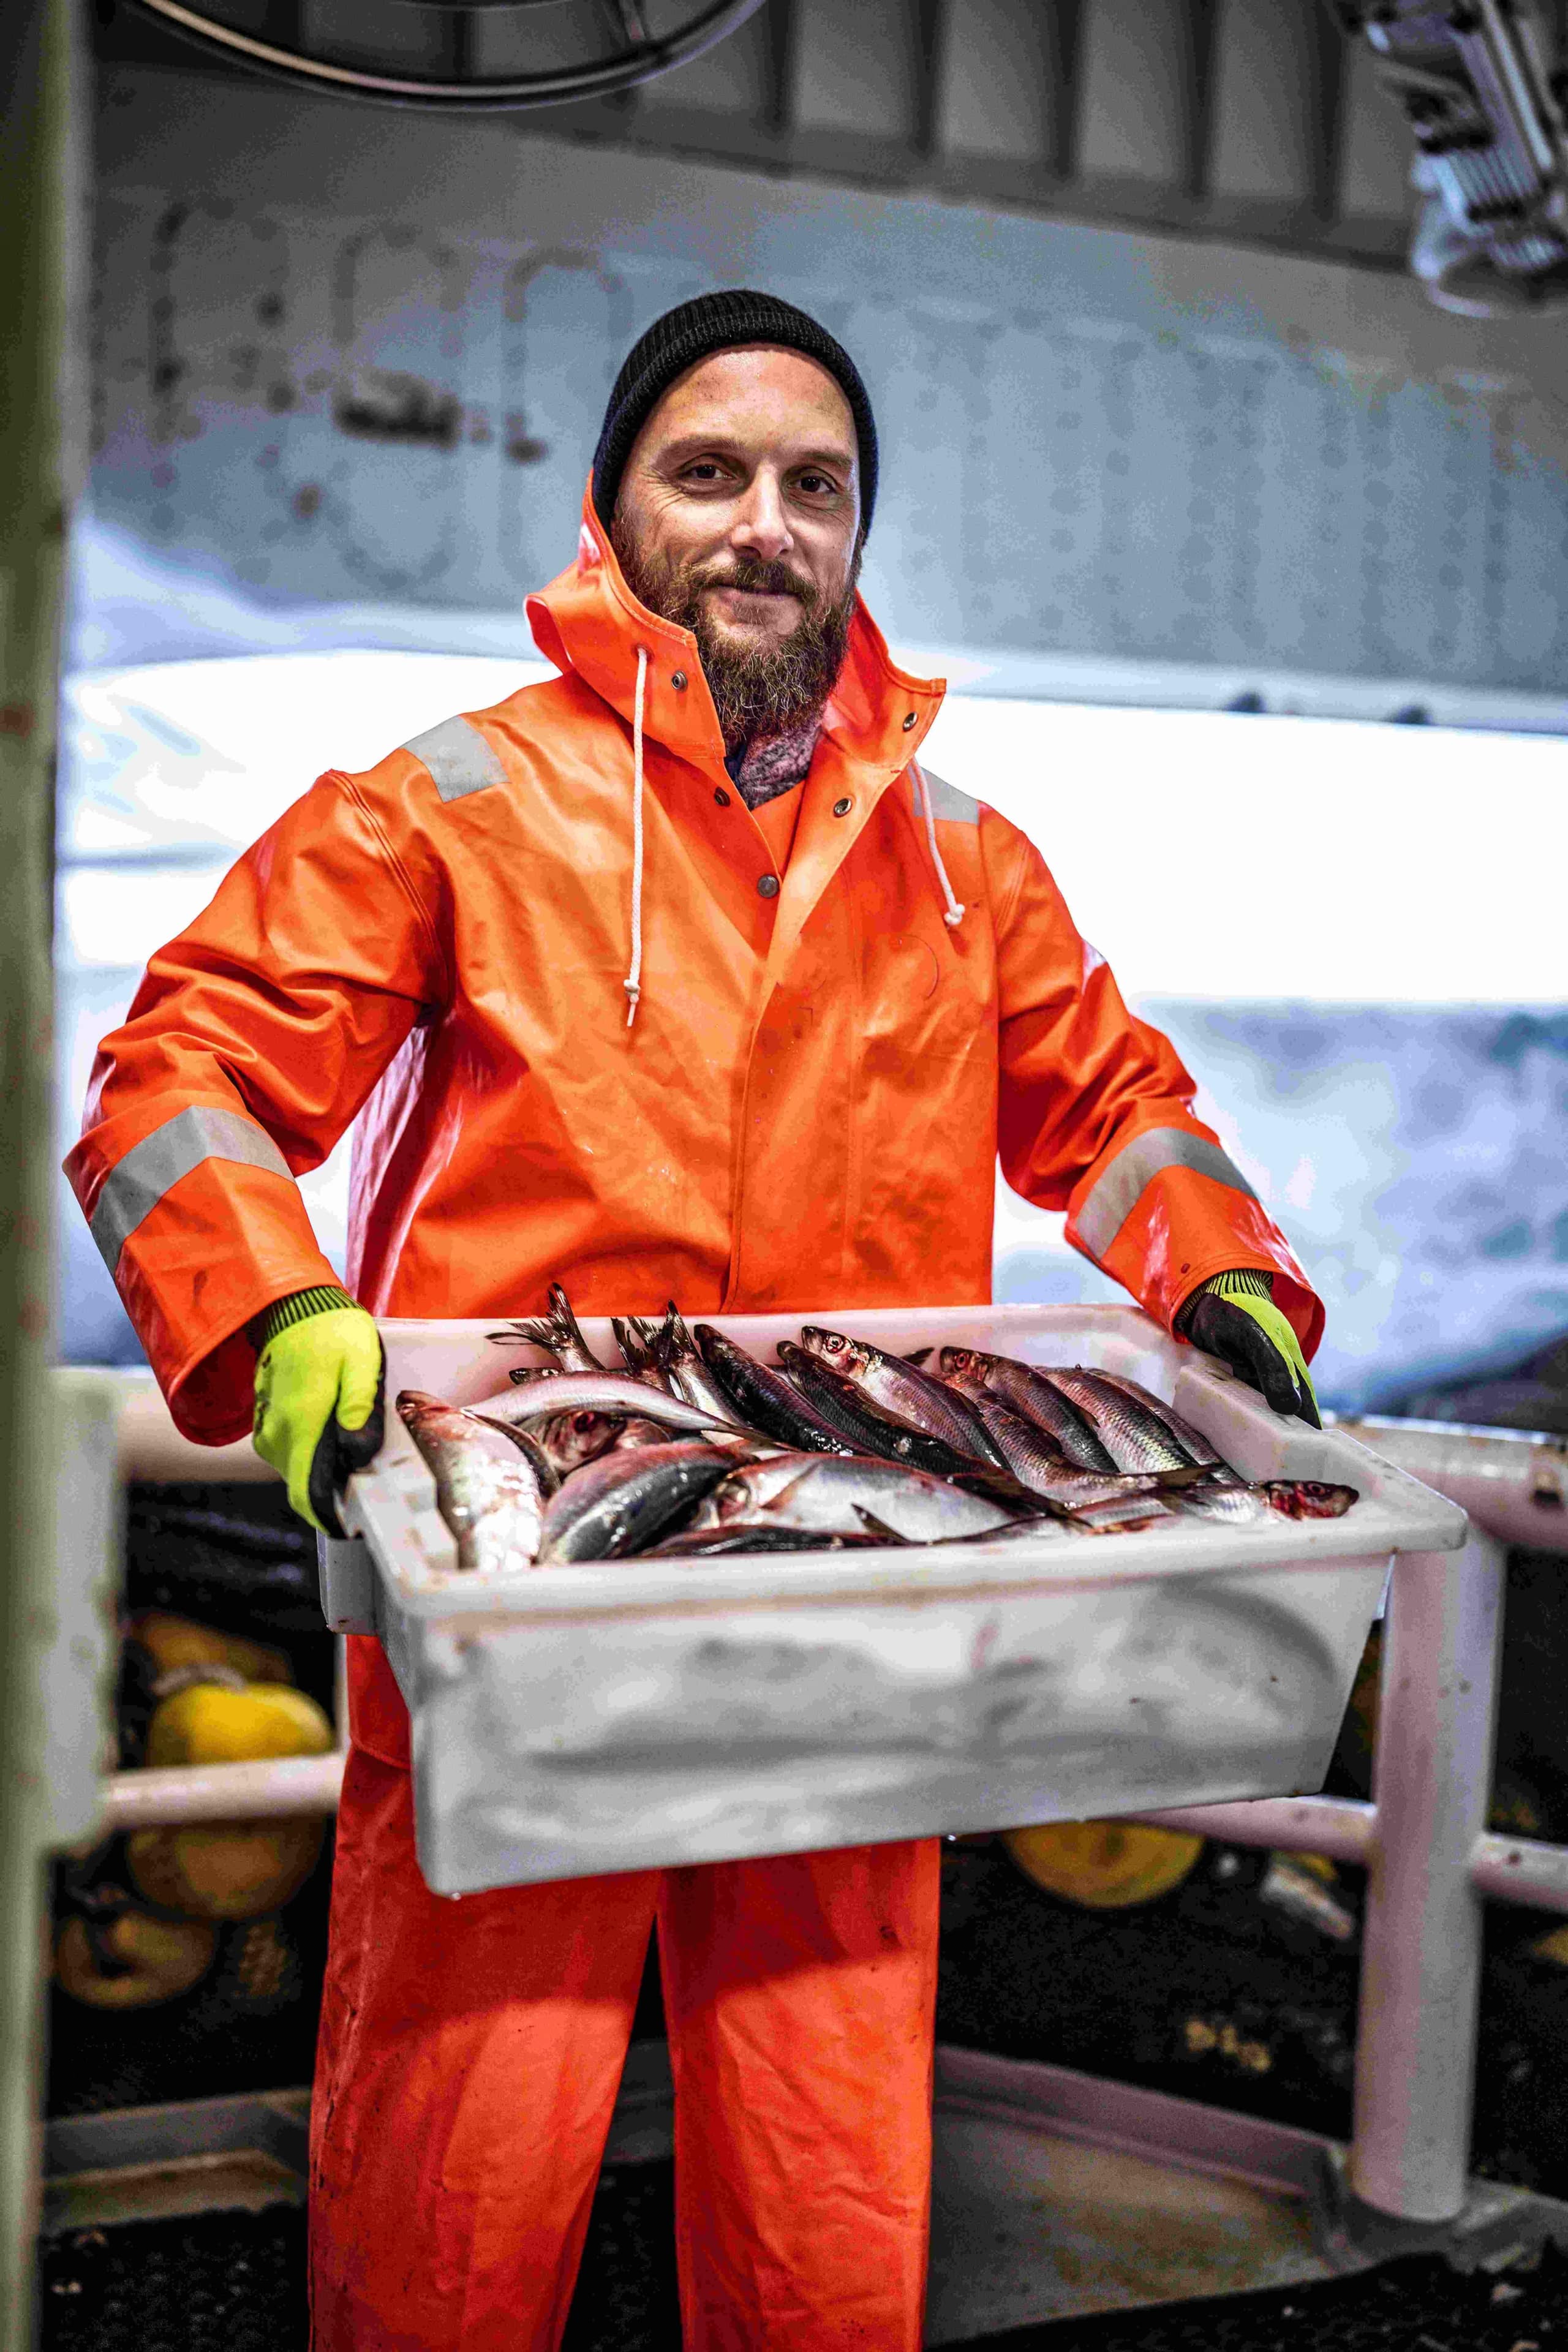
(460, 56)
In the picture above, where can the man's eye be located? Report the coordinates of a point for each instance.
(816, 485)
(706, 469)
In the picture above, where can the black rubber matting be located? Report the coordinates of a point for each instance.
(236, 2282)
(217, 2282)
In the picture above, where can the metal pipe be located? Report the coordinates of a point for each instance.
(1521, 1870)
(1421, 1956)
(1336, 1827)
(274, 1788)
(1513, 1483)
(44, 367)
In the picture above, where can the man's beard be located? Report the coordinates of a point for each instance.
(763, 685)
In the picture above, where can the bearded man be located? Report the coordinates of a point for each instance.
(674, 976)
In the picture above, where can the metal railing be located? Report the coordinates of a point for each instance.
(1423, 1840)
(1431, 1860)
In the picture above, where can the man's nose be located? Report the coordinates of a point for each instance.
(761, 526)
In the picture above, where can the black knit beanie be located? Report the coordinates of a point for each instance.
(717, 323)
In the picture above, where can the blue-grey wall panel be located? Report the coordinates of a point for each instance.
(347, 360)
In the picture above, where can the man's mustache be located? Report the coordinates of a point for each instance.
(758, 578)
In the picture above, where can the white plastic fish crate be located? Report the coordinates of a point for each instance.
(618, 1715)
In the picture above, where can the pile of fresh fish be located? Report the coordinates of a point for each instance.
(692, 1447)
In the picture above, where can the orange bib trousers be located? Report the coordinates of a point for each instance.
(471, 2053)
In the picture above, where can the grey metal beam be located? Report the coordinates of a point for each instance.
(782, 20)
(927, 26)
(1064, 22)
(1327, 99)
(1200, 93)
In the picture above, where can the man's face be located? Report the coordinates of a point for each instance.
(739, 517)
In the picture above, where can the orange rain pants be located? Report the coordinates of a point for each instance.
(471, 2053)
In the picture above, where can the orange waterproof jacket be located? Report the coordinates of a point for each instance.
(805, 1113)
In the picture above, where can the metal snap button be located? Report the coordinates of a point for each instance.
(908, 720)
(768, 887)
(843, 807)
(678, 680)
(723, 797)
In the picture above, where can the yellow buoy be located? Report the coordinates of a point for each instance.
(224, 1870)
(206, 1723)
(1103, 1865)
(229, 1869)
(175, 1643)
(149, 1959)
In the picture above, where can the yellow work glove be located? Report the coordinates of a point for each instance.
(1233, 1316)
(319, 1397)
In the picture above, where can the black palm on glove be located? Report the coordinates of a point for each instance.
(1234, 1317)
(340, 1451)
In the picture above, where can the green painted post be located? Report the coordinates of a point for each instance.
(40, 382)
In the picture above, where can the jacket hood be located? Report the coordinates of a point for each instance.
(588, 621)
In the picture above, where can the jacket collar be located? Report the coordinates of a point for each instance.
(587, 621)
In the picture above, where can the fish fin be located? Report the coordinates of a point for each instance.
(512, 1336)
(879, 1527)
(1001, 1487)
(638, 1345)
(655, 1339)
(547, 1475)
(679, 1331)
(539, 1332)
(665, 1340)
(917, 1356)
(554, 1331)
(773, 1501)
(566, 1321)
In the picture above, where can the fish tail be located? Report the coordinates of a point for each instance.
(680, 1338)
(539, 1330)
(566, 1320)
(629, 1339)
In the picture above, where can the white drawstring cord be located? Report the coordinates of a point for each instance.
(955, 915)
(633, 977)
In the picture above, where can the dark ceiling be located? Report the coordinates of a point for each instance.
(1237, 119)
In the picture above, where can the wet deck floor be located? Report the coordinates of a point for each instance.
(1027, 2229)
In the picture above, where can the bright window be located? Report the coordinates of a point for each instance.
(1352, 931)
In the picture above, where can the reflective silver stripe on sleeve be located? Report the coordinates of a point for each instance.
(1120, 1188)
(948, 802)
(458, 758)
(153, 1167)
